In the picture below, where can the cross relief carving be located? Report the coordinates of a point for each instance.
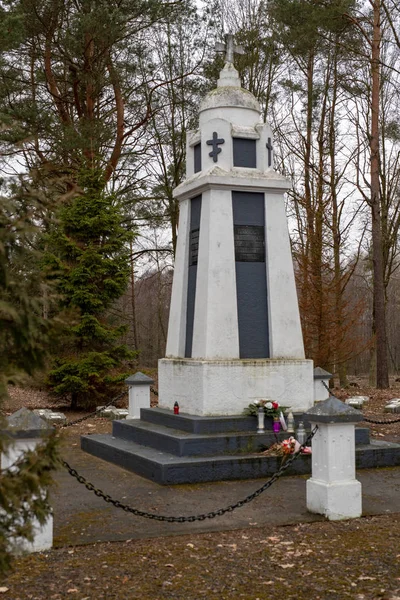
(215, 142)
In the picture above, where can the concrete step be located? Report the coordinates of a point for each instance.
(182, 443)
(168, 469)
(196, 424)
(213, 425)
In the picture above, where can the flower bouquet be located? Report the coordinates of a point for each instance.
(271, 409)
(285, 449)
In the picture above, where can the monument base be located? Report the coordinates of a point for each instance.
(336, 501)
(227, 387)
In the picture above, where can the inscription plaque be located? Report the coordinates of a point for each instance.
(244, 153)
(197, 158)
(249, 243)
(194, 246)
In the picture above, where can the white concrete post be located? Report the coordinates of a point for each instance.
(139, 393)
(321, 377)
(333, 490)
(27, 431)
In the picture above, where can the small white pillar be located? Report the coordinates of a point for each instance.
(333, 490)
(321, 379)
(139, 393)
(27, 431)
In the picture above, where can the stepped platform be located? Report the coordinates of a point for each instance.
(174, 449)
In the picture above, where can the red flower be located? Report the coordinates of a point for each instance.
(275, 405)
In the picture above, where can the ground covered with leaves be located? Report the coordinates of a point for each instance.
(358, 559)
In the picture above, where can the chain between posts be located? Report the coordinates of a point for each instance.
(368, 419)
(94, 413)
(153, 390)
(190, 519)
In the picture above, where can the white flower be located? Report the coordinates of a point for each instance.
(268, 405)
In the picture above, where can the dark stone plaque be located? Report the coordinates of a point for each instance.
(194, 246)
(249, 243)
(270, 149)
(244, 153)
(251, 274)
(195, 215)
(197, 158)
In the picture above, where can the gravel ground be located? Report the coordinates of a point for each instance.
(358, 559)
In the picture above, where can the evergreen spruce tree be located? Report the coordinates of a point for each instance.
(89, 259)
(23, 342)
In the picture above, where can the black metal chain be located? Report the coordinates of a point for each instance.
(376, 422)
(94, 413)
(153, 390)
(368, 419)
(190, 519)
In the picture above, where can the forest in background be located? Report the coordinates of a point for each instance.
(96, 98)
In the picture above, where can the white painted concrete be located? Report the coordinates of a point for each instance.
(177, 313)
(139, 397)
(338, 501)
(223, 128)
(215, 381)
(227, 387)
(239, 179)
(286, 338)
(43, 534)
(215, 327)
(333, 489)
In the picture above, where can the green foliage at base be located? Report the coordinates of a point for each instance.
(24, 496)
(23, 331)
(23, 344)
(89, 378)
(88, 259)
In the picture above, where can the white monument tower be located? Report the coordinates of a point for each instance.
(234, 332)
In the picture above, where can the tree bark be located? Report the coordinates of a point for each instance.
(379, 324)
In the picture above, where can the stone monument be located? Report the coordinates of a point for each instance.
(234, 331)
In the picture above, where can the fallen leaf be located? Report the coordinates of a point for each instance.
(169, 565)
(3, 590)
(287, 566)
(286, 543)
(274, 539)
(72, 591)
(190, 545)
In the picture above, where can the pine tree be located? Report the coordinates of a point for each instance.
(88, 257)
(23, 344)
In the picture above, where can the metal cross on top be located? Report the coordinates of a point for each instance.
(230, 48)
(215, 142)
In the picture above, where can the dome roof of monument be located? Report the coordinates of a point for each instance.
(227, 96)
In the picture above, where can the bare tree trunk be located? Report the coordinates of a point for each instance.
(379, 325)
(133, 302)
(340, 364)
